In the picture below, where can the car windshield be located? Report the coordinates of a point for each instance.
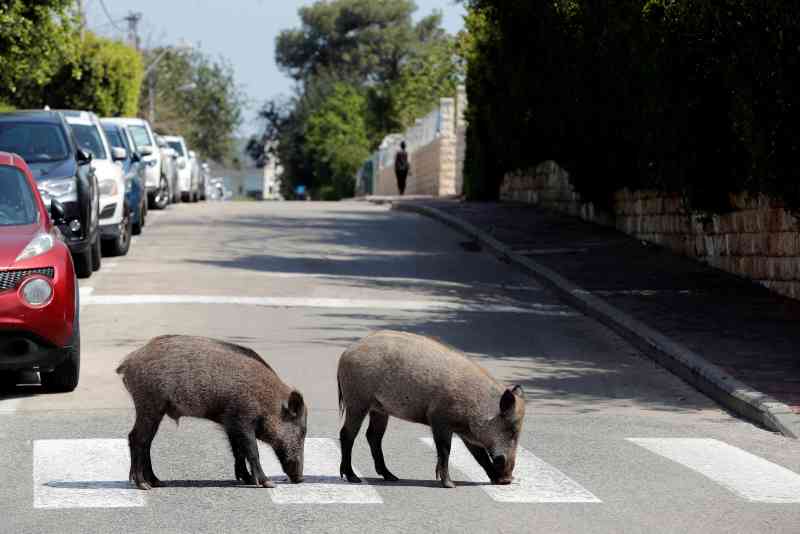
(88, 138)
(177, 146)
(17, 204)
(34, 142)
(140, 136)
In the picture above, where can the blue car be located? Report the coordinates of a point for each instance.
(135, 192)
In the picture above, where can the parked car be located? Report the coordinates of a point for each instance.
(157, 184)
(63, 172)
(39, 311)
(115, 214)
(169, 168)
(188, 177)
(119, 136)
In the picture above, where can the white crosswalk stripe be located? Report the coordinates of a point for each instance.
(93, 473)
(83, 473)
(535, 481)
(322, 484)
(745, 474)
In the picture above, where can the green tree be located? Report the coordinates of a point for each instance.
(105, 78)
(197, 98)
(37, 37)
(337, 137)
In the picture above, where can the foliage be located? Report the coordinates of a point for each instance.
(337, 138)
(197, 98)
(105, 78)
(37, 37)
(363, 69)
(684, 95)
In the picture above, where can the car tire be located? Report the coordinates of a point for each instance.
(120, 245)
(136, 229)
(186, 197)
(64, 378)
(97, 256)
(162, 196)
(83, 263)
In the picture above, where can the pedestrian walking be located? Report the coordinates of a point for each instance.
(401, 168)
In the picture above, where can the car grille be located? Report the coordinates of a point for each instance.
(11, 279)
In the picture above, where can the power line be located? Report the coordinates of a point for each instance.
(110, 19)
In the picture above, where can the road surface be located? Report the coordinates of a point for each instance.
(611, 442)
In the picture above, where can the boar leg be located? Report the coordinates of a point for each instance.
(375, 431)
(245, 441)
(443, 438)
(347, 436)
(481, 456)
(139, 440)
(240, 466)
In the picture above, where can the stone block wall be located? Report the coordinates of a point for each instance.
(437, 167)
(759, 241)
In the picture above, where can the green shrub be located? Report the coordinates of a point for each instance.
(683, 95)
(328, 192)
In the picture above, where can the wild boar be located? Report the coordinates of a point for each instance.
(186, 376)
(423, 381)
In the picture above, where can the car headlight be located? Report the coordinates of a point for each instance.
(58, 188)
(40, 244)
(108, 188)
(36, 291)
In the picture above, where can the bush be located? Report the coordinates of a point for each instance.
(106, 79)
(683, 95)
(328, 192)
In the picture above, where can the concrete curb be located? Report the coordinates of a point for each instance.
(734, 395)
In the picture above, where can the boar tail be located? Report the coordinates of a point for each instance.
(341, 399)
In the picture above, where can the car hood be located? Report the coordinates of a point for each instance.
(53, 169)
(12, 240)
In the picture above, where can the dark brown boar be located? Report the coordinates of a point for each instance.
(186, 376)
(423, 381)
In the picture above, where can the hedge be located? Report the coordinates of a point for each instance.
(694, 96)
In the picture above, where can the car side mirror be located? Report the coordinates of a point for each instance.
(83, 157)
(57, 212)
(119, 153)
(146, 150)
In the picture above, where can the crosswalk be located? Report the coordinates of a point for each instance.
(92, 473)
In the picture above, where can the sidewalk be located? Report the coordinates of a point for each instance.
(729, 337)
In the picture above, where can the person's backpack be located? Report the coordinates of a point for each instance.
(401, 161)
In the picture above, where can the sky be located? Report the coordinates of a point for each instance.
(241, 31)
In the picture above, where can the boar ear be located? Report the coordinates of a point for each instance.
(294, 406)
(517, 390)
(507, 402)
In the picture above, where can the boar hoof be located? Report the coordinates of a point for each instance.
(448, 484)
(389, 477)
(352, 478)
(143, 485)
(265, 482)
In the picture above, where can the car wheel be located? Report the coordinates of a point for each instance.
(186, 197)
(161, 199)
(83, 263)
(8, 380)
(136, 229)
(64, 378)
(97, 257)
(120, 245)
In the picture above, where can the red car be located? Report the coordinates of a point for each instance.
(39, 328)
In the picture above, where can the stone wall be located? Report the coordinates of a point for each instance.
(436, 167)
(760, 240)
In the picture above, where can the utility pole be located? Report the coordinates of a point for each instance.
(133, 29)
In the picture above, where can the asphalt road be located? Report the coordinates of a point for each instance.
(612, 443)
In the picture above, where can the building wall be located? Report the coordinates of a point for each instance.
(759, 241)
